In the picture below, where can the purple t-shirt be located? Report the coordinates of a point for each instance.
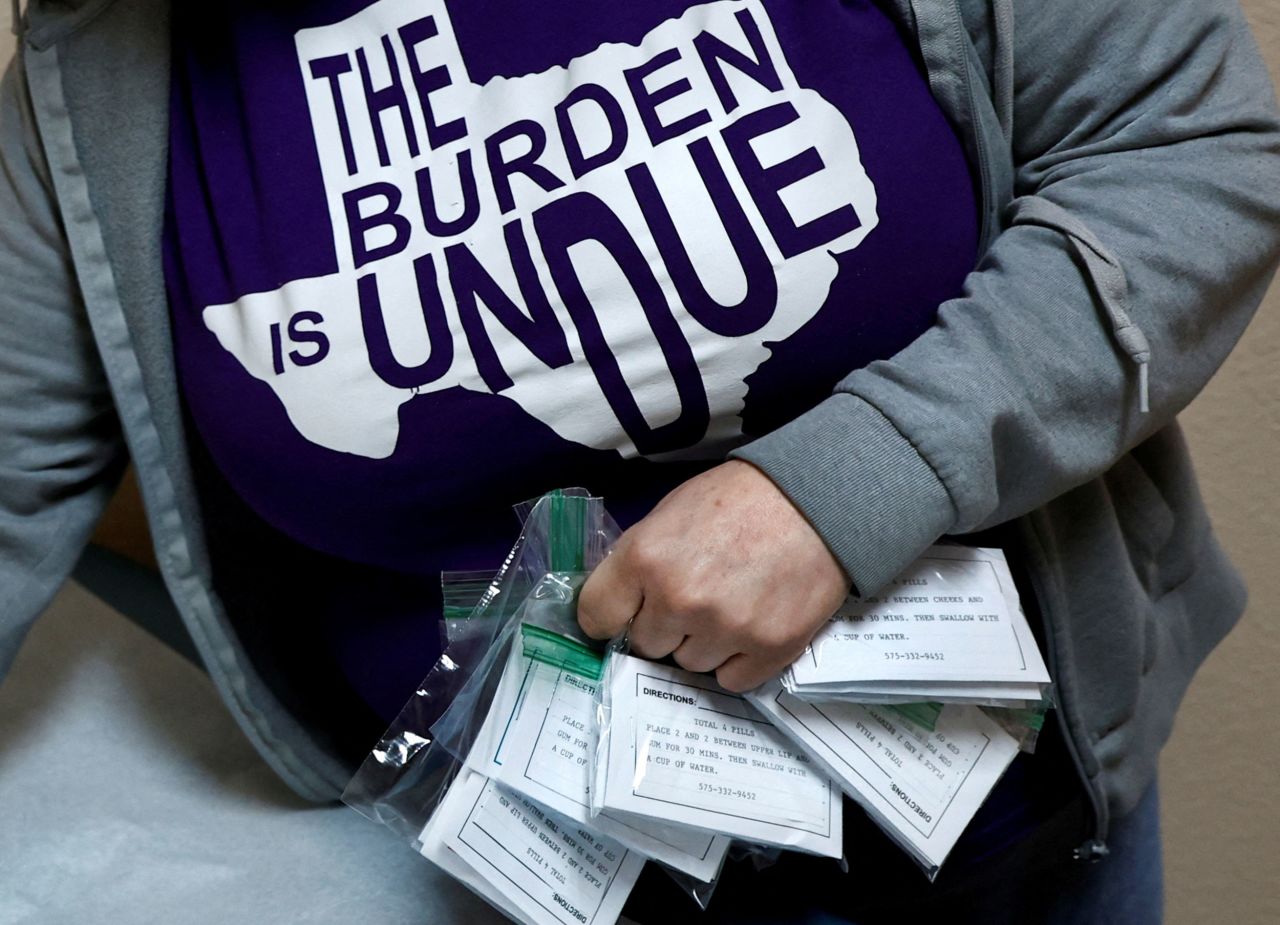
(428, 259)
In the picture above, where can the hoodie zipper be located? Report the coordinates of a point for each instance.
(985, 186)
(1094, 846)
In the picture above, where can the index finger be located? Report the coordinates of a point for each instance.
(608, 600)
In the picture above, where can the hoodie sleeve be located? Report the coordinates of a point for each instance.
(60, 448)
(1143, 235)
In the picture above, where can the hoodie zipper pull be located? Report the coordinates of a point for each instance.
(1095, 849)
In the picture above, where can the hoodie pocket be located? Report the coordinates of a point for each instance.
(1147, 523)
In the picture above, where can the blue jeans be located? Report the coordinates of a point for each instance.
(1036, 882)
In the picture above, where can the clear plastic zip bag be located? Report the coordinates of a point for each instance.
(460, 594)
(492, 753)
(400, 782)
(1025, 723)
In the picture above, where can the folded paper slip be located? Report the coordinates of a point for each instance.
(952, 620)
(539, 739)
(536, 867)
(922, 787)
(677, 747)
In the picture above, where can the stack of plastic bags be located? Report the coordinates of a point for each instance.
(543, 770)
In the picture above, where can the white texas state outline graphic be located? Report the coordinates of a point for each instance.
(713, 83)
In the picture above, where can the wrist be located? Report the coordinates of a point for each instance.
(870, 495)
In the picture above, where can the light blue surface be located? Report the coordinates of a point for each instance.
(128, 795)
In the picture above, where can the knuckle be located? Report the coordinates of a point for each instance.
(648, 642)
(695, 662)
(771, 635)
(735, 623)
(644, 557)
(642, 648)
(686, 661)
(685, 599)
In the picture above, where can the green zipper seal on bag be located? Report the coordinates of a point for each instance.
(567, 531)
(551, 648)
(1031, 717)
(566, 539)
(922, 714)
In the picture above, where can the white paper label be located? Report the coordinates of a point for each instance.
(682, 749)
(539, 740)
(953, 616)
(922, 787)
(547, 868)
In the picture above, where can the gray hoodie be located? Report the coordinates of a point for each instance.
(1128, 153)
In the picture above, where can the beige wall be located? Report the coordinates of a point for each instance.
(1221, 789)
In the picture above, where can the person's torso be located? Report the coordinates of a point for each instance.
(427, 260)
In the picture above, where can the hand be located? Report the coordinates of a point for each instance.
(725, 573)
